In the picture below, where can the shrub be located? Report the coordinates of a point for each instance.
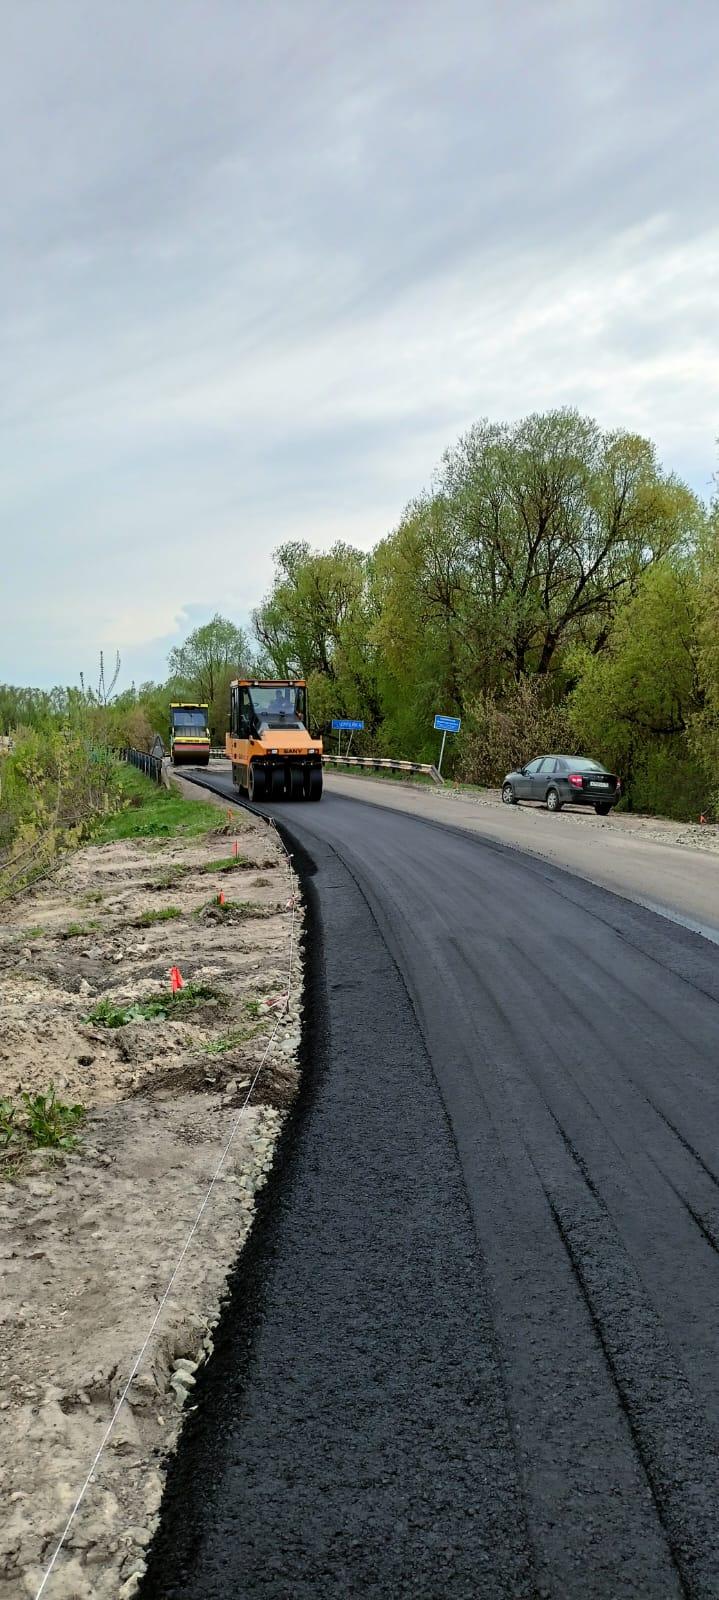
(54, 785)
(38, 1121)
(48, 1122)
(108, 1014)
(501, 734)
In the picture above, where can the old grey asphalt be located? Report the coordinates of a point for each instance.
(474, 1350)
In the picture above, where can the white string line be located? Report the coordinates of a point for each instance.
(185, 1248)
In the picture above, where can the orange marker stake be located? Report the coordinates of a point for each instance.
(221, 898)
(234, 848)
(176, 979)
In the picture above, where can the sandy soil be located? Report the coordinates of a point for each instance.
(89, 1239)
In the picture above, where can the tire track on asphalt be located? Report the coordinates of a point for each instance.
(352, 1434)
(557, 1020)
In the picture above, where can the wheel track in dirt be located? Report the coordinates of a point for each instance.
(573, 1040)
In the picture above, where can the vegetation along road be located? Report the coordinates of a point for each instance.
(476, 1350)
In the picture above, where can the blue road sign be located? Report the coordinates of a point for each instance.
(347, 723)
(448, 724)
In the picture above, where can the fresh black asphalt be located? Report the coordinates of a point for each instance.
(474, 1348)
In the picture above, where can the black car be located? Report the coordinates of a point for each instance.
(563, 780)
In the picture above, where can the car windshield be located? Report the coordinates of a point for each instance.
(278, 705)
(189, 719)
(582, 764)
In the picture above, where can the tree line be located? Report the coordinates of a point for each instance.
(201, 669)
(554, 586)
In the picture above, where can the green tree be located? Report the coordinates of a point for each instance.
(557, 521)
(704, 729)
(421, 640)
(634, 704)
(26, 708)
(207, 653)
(316, 624)
(533, 535)
(203, 667)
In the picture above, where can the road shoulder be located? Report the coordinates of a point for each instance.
(90, 1235)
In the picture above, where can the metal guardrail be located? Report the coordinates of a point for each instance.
(150, 765)
(376, 762)
(380, 764)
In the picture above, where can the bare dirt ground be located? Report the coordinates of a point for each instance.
(89, 1239)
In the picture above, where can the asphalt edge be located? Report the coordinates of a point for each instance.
(243, 1301)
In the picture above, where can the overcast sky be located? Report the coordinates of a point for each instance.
(262, 261)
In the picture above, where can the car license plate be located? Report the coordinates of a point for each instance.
(599, 783)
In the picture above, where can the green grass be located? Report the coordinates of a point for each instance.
(149, 811)
(78, 930)
(108, 1014)
(223, 1042)
(225, 864)
(252, 1007)
(165, 914)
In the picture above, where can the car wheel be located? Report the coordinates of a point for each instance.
(508, 795)
(602, 810)
(553, 801)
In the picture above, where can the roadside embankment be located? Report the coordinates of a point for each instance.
(183, 1099)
